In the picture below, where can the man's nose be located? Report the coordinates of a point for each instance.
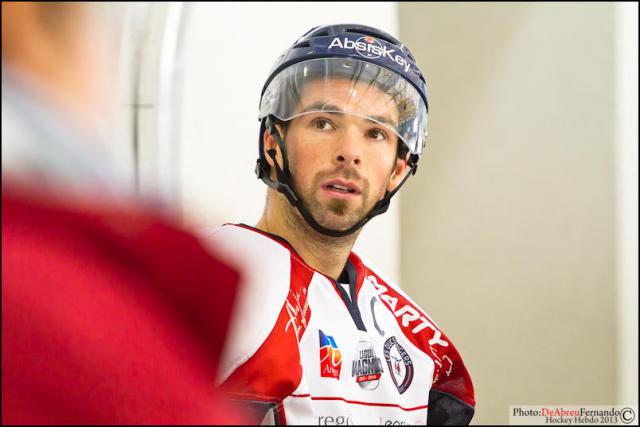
(349, 151)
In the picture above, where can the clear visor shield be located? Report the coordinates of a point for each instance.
(349, 86)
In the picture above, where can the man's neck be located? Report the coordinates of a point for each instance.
(326, 254)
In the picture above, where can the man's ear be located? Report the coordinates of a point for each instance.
(270, 143)
(399, 172)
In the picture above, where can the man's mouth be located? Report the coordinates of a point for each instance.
(341, 187)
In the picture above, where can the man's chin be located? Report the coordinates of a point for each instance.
(336, 215)
(337, 222)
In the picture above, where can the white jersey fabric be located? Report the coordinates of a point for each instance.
(299, 346)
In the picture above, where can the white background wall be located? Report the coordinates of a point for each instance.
(523, 212)
(229, 49)
(626, 178)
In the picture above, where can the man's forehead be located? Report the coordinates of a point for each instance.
(342, 87)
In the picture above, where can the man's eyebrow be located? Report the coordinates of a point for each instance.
(333, 109)
(384, 120)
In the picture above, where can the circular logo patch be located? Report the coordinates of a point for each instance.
(399, 363)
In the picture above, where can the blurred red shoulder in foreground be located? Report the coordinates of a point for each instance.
(110, 315)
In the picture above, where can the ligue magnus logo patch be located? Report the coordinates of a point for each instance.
(330, 357)
(366, 367)
(399, 363)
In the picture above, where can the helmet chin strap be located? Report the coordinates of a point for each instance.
(284, 184)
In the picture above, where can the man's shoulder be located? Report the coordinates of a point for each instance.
(247, 246)
(230, 232)
(411, 317)
(264, 262)
(375, 275)
(242, 235)
(265, 265)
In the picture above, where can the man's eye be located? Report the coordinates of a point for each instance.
(378, 134)
(322, 124)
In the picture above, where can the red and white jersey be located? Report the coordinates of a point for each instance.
(299, 347)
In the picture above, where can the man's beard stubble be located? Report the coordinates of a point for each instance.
(349, 212)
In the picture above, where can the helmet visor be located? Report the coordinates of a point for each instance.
(349, 86)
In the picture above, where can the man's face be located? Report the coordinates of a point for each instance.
(342, 163)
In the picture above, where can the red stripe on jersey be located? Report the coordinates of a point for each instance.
(273, 372)
(360, 270)
(357, 402)
(450, 375)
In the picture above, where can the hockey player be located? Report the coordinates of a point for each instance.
(320, 335)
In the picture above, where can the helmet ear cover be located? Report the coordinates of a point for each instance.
(283, 182)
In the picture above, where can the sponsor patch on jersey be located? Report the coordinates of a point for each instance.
(399, 363)
(366, 368)
(330, 357)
